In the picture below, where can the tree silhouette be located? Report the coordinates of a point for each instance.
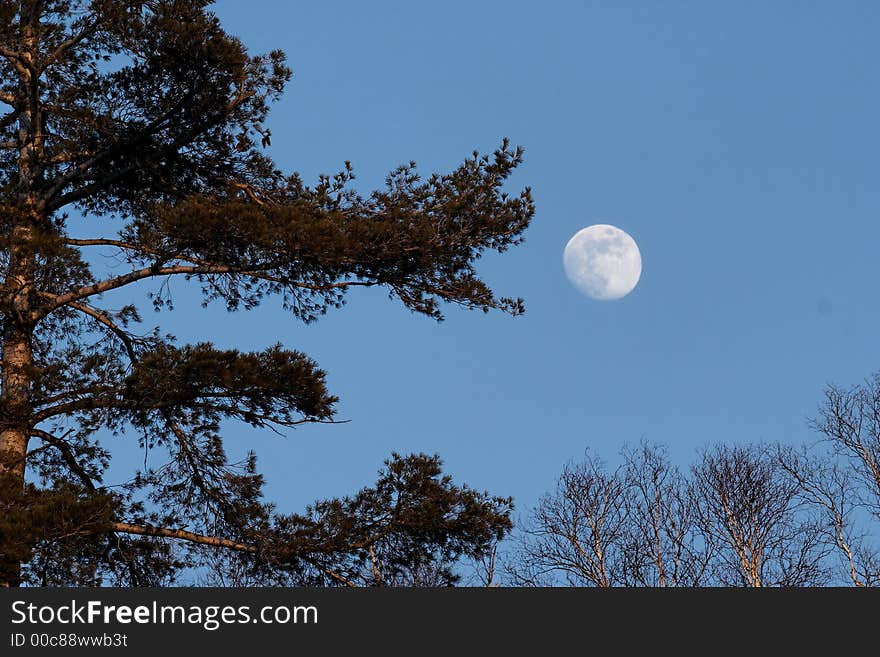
(147, 118)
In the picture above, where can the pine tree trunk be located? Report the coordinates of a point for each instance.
(17, 348)
(15, 386)
(13, 436)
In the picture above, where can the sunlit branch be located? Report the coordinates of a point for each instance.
(181, 534)
(17, 60)
(213, 541)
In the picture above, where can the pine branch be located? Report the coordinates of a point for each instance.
(120, 281)
(168, 140)
(189, 457)
(206, 269)
(103, 318)
(213, 541)
(77, 173)
(67, 454)
(339, 578)
(87, 30)
(180, 534)
(90, 403)
(17, 60)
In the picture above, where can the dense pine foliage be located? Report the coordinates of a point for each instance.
(148, 118)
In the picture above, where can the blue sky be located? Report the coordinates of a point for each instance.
(736, 142)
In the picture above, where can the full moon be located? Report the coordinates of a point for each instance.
(603, 262)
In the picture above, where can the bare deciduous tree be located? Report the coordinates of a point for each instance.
(829, 486)
(486, 568)
(740, 519)
(633, 526)
(578, 532)
(665, 547)
(840, 477)
(850, 420)
(751, 511)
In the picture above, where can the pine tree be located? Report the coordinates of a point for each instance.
(148, 119)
